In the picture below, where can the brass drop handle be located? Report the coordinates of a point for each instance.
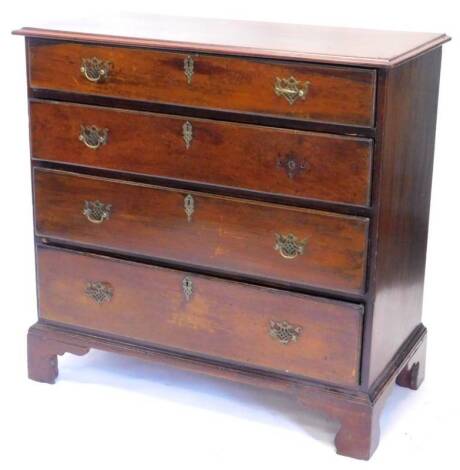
(93, 137)
(95, 70)
(291, 89)
(289, 245)
(100, 292)
(96, 212)
(284, 332)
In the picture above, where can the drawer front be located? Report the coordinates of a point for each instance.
(292, 245)
(236, 322)
(295, 90)
(300, 164)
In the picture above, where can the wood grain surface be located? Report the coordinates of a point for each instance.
(311, 43)
(335, 94)
(149, 305)
(228, 234)
(406, 150)
(308, 165)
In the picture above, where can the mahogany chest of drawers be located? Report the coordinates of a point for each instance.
(255, 209)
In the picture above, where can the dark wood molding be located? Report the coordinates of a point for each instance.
(358, 413)
(373, 50)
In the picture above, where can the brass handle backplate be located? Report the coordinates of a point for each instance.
(100, 292)
(96, 211)
(291, 89)
(289, 245)
(95, 70)
(284, 332)
(93, 137)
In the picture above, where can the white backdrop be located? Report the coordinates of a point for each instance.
(112, 412)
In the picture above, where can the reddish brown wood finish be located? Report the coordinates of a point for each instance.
(342, 370)
(336, 94)
(149, 305)
(358, 413)
(359, 432)
(364, 47)
(405, 146)
(325, 167)
(224, 233)
(42, 356)
(412, 374)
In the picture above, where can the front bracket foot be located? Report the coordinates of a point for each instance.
(42, 353)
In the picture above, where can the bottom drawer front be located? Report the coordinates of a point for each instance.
(251, 325)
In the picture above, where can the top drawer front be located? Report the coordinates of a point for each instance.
(295, 90)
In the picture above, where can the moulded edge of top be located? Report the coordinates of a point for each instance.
(377, 62)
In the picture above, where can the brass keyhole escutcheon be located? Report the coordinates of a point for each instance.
(292, 165)
(187, 133)
(189, 206)
(189, 69)
(187, 287)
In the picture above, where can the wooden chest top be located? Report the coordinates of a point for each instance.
(262, 39)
